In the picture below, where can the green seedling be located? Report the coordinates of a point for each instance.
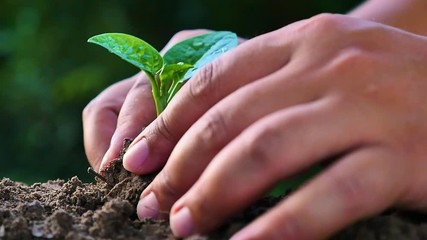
(168, 73)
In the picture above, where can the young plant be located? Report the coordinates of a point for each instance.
(168, 73)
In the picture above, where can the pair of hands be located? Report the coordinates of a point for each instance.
(277, 104)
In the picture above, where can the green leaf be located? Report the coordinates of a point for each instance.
(131, 49)
(174, 72)
(170, 77)
(200, 50)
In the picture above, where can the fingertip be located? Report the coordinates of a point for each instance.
(181, 223)
(112, 153)
(136, 156)
(148, 207)
(105, 160)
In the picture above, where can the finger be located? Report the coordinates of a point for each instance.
(236, 68)
(100, 120)
(362, 184)
(136, 113)
(275, 147)
(220, 125)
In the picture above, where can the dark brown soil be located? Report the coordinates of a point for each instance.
(106, 210)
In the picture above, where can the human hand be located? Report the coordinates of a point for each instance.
(121, 111)
(279, 103)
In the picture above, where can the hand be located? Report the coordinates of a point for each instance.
(121, 111)
(279, 103)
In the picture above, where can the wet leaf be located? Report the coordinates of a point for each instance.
(132, 49)
(200, 50)
(174, 72)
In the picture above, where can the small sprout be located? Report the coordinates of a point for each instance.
(168, 73)
(92, 172)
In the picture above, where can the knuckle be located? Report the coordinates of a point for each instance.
(203, 84)
(351, 192)
(324, 29)
(97, 109)
(212, 130)
(124, 123)
(326, 22)
(166, 189)
(141, 82)
(355, 62)
(260, 145)
(91, 109)
(163, 128)
(350, 58)
(140, 94)
(87, 111)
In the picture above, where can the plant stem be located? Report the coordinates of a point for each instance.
(156, 93)
(174, 89)
(163, 91)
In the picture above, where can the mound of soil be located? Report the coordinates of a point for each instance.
(106, 210)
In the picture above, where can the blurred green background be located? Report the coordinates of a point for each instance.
(48, 72)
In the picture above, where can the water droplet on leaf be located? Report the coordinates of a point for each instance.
(198, 45)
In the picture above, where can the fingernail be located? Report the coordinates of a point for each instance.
(135, 157)
(148, 207)
(182, 223)
(104, 160)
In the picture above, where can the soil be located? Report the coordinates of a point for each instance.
(72, 209)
